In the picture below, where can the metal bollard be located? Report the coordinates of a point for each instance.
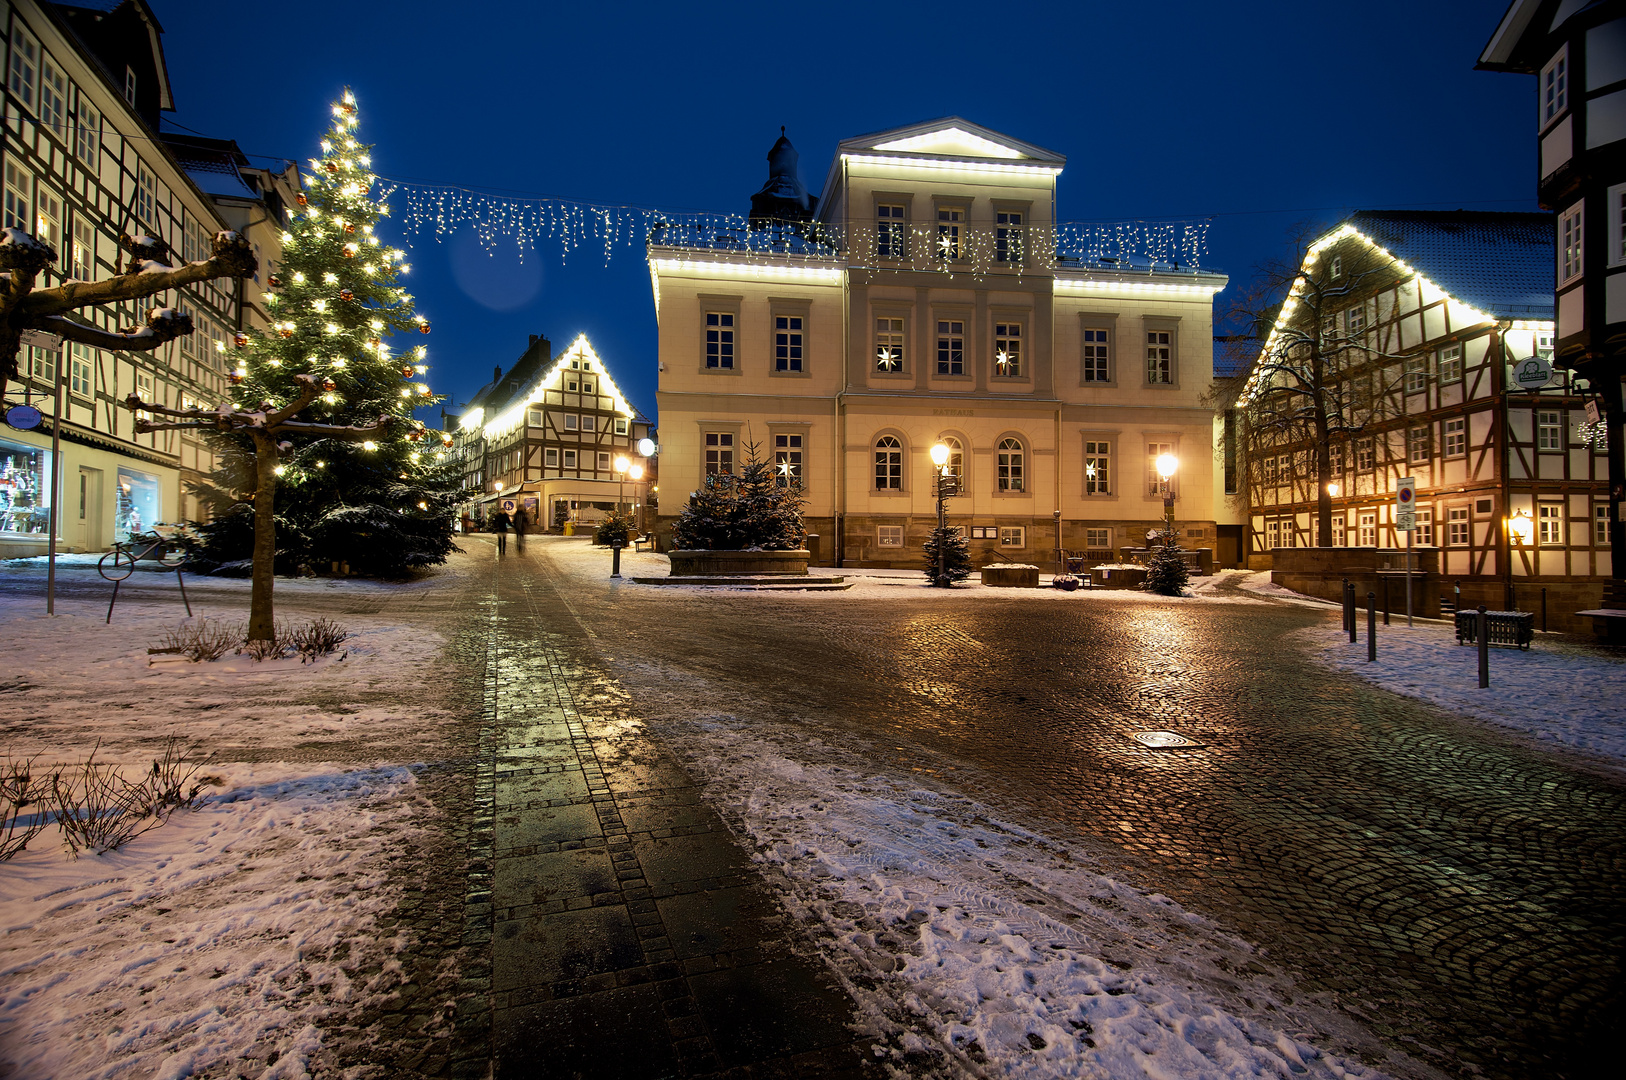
(1484, 648)
(1343, 603)
(615, 555)
(1350, 607)
(1371, 627)
(1385, 601)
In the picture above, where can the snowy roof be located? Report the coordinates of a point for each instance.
(1500, 263)
(951, 137)
(219, 178)
(91, 5)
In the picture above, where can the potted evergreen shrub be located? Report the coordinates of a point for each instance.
(745, 524)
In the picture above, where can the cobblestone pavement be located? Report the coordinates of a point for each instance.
(1455, 889)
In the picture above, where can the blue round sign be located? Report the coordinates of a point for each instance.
(23, 417)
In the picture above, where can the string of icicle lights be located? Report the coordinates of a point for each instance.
(563, 227)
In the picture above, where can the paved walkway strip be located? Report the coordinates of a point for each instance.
(629, 935)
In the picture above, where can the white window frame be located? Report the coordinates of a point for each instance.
(1010, 237)
(1012, 536)
(1553, 89)
(621, 425)
(81, 370)
(888, 463)
(955, 466)
(48, 217)
(889, 536)
(19, 197)
(88, 143)
(889, 343)
(1097, 354)
(1008, 343)
(589, 423)
(146, 197)
(1454, 436)
(950, 348)
(1159, 357)
(1458, 527)
(891, 231)
(1154, 482)
(1355, 320)
(1098, 539)
(1549, 430)
(1367, 529)
(572, 422)
(533, 417)
(1366, 455)
(1011, 466)
(1097, 467)
(1449, 363)
(570, 459)
(53, 97)
(1273, 534)
(950, 244)
(1550, 524)
(550, 457)
(1571, 243)
(604, 461)
(1416, 374)
(1425, 527)
(719, 340)
(130, 85)
(1600, 525)
(719, 453)
(24, 70)
(147, 388)
(789, 458)
(1420, 444)
(789, 344)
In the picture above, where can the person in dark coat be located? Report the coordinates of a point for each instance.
(499, 525)
(521, 519)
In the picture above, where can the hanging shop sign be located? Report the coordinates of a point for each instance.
(24, 417)
(1533, 372)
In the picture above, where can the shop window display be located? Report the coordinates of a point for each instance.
(25, 490)
(138, 503)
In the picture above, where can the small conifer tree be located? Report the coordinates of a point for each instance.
(1167, 574)
(951, 546)
(760, 509)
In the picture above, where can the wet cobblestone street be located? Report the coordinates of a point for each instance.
(1457, 890)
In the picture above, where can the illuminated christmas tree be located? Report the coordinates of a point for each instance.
(320, 429)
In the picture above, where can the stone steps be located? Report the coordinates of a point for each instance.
(756, 582)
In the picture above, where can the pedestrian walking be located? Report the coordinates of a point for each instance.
(499, 525)
(521, 519)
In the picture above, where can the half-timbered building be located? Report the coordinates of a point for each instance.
(546, 435)
(83, 161)
(1511, 478)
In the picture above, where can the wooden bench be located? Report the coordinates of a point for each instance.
(1514, 629)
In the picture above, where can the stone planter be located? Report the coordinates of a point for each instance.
(1011, 576)
(735, 563)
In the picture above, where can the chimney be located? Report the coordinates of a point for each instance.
(534, 340)
(496, 374)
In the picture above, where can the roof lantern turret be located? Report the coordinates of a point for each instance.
(783, 197)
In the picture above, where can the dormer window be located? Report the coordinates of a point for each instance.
(129, 85)
(1555, 86)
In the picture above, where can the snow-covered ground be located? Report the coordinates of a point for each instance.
(971, 933)
(1571, 696)
(227, 937)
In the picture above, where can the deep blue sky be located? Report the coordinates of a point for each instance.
(1260, 114)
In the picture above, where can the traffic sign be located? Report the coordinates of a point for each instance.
(1406, 503)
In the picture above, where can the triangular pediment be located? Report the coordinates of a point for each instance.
(951, 137)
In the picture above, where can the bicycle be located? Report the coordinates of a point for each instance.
(120, 563)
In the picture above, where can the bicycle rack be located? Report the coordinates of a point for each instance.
(121, 570)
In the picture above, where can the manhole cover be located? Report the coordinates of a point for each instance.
(1162, 740)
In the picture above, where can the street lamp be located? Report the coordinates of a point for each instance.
(621, 467)
(945, 486)
(636, 473)
(1521, 527)
(1166, 464)
(1332, 490)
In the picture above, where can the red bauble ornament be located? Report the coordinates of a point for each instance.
(406, 373)
(274, 281)
(329, 385)
(350, 251)
(331, 167)
(346, 294)
(374, 343)
(349, 228)
(414, 435)
(234, 378)
(301, 200)
(241, 340)
(286, 333)
(423, 328)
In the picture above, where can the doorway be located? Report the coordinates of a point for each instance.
(90, 536)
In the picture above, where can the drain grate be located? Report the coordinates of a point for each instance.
(1163, 740)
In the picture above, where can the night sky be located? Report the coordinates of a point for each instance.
(1258, 115)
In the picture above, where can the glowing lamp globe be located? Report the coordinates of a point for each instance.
(940, 455)
(1166, 464)
(646, 447)
(1333, 489)
(622, 464)
(636, 472)
(1521, 526)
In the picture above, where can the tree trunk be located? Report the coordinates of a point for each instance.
(261, 620)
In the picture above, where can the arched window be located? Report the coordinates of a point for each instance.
(888, 464)
(956, 459)
(1010, 465)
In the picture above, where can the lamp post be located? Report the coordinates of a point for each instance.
(621, 467)
(1166, 464)
(635, 474)
(940, 456)
(1520, 528)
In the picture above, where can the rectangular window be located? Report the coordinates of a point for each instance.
(53, 98)
(984, 532)
(888, 464)
(1159, 356)
(1456, 526)
(572, 422)
(719, 453)
(1419, 445)
(42, 365)
(1337, 268)
(589, 423)
(1617, 224)
(888, 344)
(1355, 320)
(1544, 344)
(1600, 525)
(1555, 86)
(1550, 522)
(1097, 359)
(1365, 455)
(550, 457)
(604, 462)
(1456, 437)
(1451, 364)
(787, 343)
(570, 459)
(1416, 374)
(950, 347)
(620, 425)
(1368, 530)
(89, 142)
(587, 387)
(1569, 243)
(19, 208)
(1272, 470)
(1012, 536)
(1008, 350)
(146, 196)
(1273, 534)
(572, 386)
(891, 240)
(129, 85)
(1155, 484)
(533, 417)
(950, 221)
(1335, 460)
(48, 218)
(1549, 431)
(1010, 466)
(1425, 528)
(1098, 539)
(144, 387)
(1009, 238)
(25, 63)
(787, 459)
(79, 377)
(889, 536)
(1097, 468)
(720, 340)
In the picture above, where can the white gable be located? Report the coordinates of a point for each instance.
(952, 141)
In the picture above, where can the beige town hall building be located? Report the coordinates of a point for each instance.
(926, 295)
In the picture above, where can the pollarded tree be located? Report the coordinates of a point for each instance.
(23, 307)
(322, 403)
(1323, 370)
